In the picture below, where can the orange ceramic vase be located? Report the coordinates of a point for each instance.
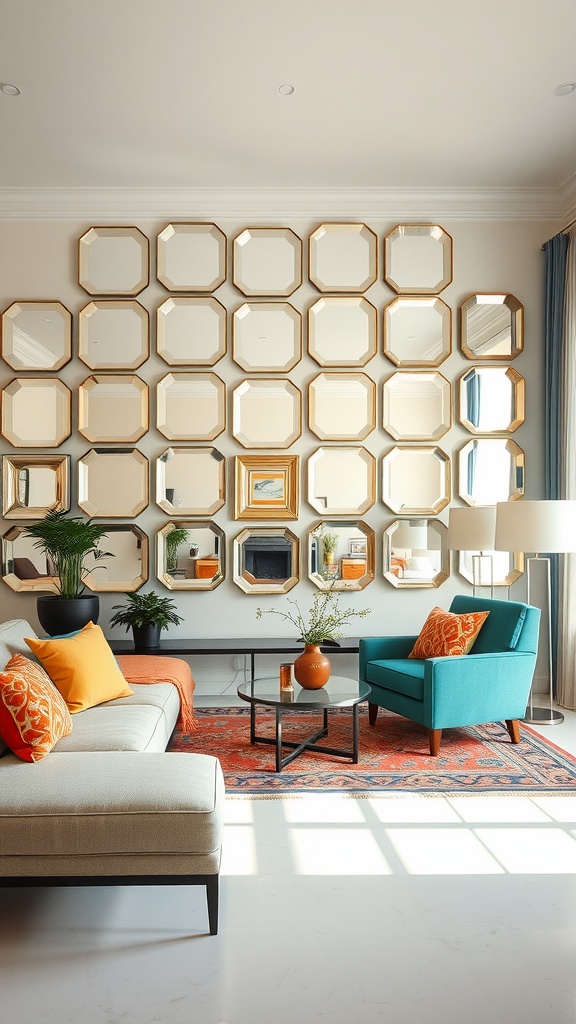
(312, 668)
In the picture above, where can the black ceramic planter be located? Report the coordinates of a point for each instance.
(146, 636)
(65, 615)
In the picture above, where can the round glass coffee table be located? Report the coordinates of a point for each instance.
(339, 692)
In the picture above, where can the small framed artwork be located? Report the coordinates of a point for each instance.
(357, 546)
(266, 487)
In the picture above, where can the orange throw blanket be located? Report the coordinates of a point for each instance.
(158, 668)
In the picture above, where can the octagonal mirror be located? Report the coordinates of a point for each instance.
(125, 570)
(36, 335)
(417, 331)
(191, 481)
(343, 257)
(342, 406)
(36, 412)
(266, 560)
(24, 568)
(267, 336)
(342, 331)
(191, 406)
(266, 413)
(491, 568)
(490, 469)
(418, 259)
(341, 554)
(113, 261)
(491, 399)
(267, 261)
(34, 484)
(491, 326)
(191, 257)
(113, 335)
(341, 480)
(416, 553)
(191, 331)
(416, 480)
(417, 405)
(113, 483)
(191, 555)
(113, 407)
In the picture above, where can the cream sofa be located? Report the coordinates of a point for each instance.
(108, 805)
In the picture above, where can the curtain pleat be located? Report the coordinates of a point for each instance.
(566, 688)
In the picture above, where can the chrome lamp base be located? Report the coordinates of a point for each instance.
(543, 716)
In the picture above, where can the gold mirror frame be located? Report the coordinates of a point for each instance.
(266, 487)
(103, 578)
(271, 409)
(113, 483)
(113, 260)
(113, 408)
(37, 335)
(26, 411)
(198, 402)
(178, 569)
(351, 564)
(267, 261)
(191, 481)
(19, 488)
(191, 331)
(347, 470)
(491, 326)
(416, 554)
(342, 406)
(191, 257)
(97, 334)
(417, 405)
(499, 404)
(490, 566)
(276, 543)
(407, 471)
(343, 257)
(267, 337)
(500, 474)
(418, 259)
(342, 331)
(417, 331)
(24, 568)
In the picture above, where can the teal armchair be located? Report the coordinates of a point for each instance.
(490, 684)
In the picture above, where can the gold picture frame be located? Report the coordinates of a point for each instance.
(266, 487)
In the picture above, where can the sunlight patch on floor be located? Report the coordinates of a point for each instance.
(337, 852)
(450, 851)
(530, 850)
(323, 808)
(498, 809)
(413, 810)
(239, 851)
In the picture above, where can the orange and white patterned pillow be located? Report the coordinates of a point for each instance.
(445, 634)
(33, 715)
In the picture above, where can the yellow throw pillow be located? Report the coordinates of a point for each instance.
(445, 634)
(33, 715)
(82, 668)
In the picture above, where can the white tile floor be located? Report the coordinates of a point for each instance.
(411, 910)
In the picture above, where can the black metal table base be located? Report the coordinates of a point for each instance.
(307, 744)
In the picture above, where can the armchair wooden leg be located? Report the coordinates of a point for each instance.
(434, 737)
(372, 713)
(513, 726)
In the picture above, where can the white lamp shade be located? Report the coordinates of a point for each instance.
(536, 527)
(411, 534)
(472, 529)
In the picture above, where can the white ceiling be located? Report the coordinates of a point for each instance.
(388, 94)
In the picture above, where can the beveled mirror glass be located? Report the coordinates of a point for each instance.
(343, 258)
(267, 261)
(490, 469)
(416, 480)
(191, 257)
(418, 259)
(266, 413)
(113, 261)
(491, 399)
(191, 331)
(341, 480)
(491, 568)
(191, 481)
(417, 331)
(113, 335)
(491, 326)
(267, 336)
(266, 560)
(342, 331)
(113, 483)
(341, 554)
(113, 407)
(34, 484)
(417, 405)
(416, 553)
(342, 406)
(191, 406)
(24, 568)
(36, 412)
(126, 570)
(36, 335)
(191, 555)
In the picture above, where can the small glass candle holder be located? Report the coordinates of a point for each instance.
(286, 684)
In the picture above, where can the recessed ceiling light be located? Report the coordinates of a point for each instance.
(285, 89)
(565, 89)
(9, 90)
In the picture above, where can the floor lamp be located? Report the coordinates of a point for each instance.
(472, 529)
(538, 528)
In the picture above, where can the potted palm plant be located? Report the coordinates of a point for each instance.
(173, 540)
(148, 614)
(67, 541)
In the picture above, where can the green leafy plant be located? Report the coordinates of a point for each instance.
(325, 617)
(173, 540)
(329, 541)
(145, 610)
(67, 541)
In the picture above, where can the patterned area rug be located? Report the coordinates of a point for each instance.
(394, 756)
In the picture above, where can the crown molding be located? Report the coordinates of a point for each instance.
(568, 190)
(262, 204)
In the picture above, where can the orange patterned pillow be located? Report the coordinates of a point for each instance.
(444, 634)
(33, 715)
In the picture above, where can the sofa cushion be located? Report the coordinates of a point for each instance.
(33, 715)
(502, 629)
(445, 634)
(399, 674)
(116, 725)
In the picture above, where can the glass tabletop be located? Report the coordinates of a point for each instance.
(338, 692)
